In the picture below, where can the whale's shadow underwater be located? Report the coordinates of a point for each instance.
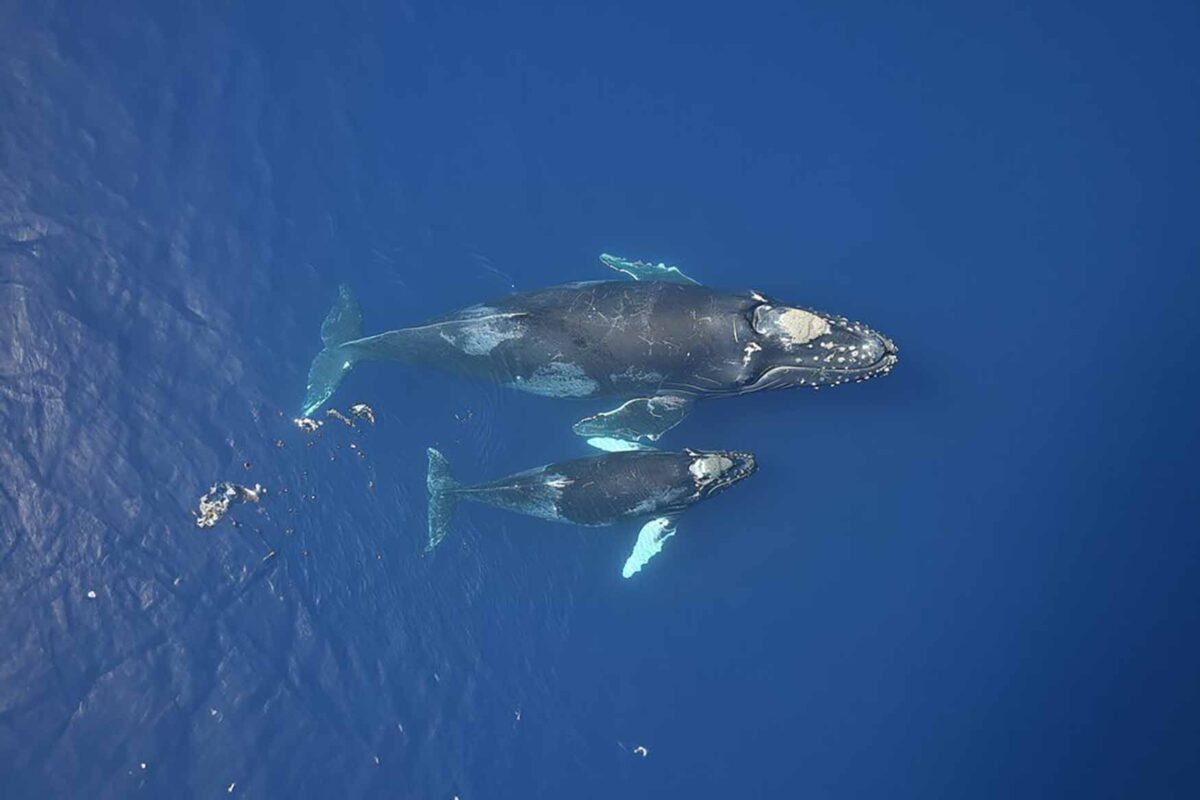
(657, 343)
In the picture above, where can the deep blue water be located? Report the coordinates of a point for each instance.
(973, 578)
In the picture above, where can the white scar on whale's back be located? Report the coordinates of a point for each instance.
(557, 379)
(480, 336)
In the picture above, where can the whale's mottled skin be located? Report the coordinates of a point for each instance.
(658, 345)
(651, 486)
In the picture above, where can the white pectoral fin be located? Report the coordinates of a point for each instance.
(611, 445)
(642, 419)
(649, 544)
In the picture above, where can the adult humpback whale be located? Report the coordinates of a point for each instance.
(597, 490)
(658, 342)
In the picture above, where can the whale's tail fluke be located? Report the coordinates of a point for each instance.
(343, 324)
(442, 499)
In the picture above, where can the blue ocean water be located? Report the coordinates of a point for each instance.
(973, 578)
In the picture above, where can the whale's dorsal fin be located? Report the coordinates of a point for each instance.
(649, 544)
(645, 271)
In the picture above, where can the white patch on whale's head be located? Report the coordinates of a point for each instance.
(808, 348)
(789, 327)
(712, 472)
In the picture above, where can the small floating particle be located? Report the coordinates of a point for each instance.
(363, 411)
(230, 788)
(269, 556)
(246, 465)
(91, 594)
(279, 443)
(142, 764)
(376, 761)
(641, 751)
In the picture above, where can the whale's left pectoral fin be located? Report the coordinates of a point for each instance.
(634, 423)
(645, 271)
(649, 544)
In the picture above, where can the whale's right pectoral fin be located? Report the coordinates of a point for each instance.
(633, 424)
(649, 544)
(645, 271)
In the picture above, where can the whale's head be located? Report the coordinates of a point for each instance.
(713, 471)
(802, 347)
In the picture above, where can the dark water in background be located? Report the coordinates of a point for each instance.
(973, 578)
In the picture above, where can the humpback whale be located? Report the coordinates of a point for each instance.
(656, 343)
(598, 490)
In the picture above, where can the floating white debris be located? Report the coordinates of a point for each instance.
(641, 751)
(142, 765)
(307, 424)
(215, 503)
(230, 787)
(363, 411)
(91, 594)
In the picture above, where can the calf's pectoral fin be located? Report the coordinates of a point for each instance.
(645, 271)
(649, 544)
(631, 424)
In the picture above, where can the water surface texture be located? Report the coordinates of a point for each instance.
(975, 577)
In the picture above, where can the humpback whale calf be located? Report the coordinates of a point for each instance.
(656, 343)
(598, 490)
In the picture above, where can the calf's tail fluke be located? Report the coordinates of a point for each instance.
(343, 324)
(442, 500)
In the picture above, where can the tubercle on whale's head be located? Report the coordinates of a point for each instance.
(807, 348)
(713, 471)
